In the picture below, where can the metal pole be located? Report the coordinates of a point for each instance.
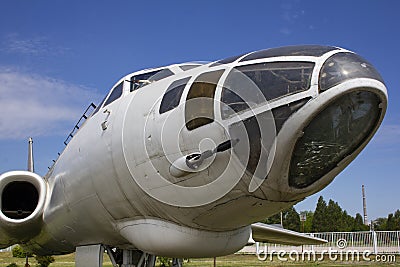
(352, 239)
(375, 239)
(398, 242)
(215, 261)
(26, 261)
(364, 205)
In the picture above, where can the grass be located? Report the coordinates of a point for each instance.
(227, 261)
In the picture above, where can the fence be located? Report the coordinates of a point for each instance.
(377, 242)
(6, 249)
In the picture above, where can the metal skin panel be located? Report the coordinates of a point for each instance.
(164, 238)
(112, 184)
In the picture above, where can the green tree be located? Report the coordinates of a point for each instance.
(19, 252)
(44, 261)
(380, 224)
(319, 222)
(308, 222)
(274, 219)
(349, 222)
(291, 220)
(396, 221)
(391, 222)
(335, 218)
(290, 217)
(359, 224)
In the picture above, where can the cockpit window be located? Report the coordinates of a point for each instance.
(226, 61)
(199, 108)
(173, 95)
(303, 50)
(115, 94)
(99, 106)
(160, 75)
(345, 66)
(188, 66)
(144, 79)
(267, 81)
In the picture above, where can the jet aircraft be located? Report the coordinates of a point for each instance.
(184, 160)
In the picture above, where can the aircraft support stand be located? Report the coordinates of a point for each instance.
(89, 256)
(92, 256)
(136, 258)
(177, 262)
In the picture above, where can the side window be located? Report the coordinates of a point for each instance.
(173, 95)
(99, 106)
(115, 94)
(161, 75)
(199, 108)
(188, 67)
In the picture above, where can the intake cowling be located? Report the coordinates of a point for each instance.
(22, 198)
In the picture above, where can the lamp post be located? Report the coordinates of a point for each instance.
(303, 218)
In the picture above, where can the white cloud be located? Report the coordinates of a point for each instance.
(291, 16)
(33, 46)
(33, 105)
(285, 31)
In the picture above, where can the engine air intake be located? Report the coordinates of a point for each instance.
(19, 199)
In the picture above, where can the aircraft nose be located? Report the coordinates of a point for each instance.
(357, 98)
(300, 142)
(332, 135)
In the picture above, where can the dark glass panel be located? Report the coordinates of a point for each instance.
(303, 50)
(173, 95)
(199, 108)
(282, 113)
(278, 79)
(188, 67)
(345, 66)
(332, 135)
(115, 94)
(226, 61)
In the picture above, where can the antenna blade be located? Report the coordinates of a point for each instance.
(30, 155)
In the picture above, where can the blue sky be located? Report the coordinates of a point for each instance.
(58, 56)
